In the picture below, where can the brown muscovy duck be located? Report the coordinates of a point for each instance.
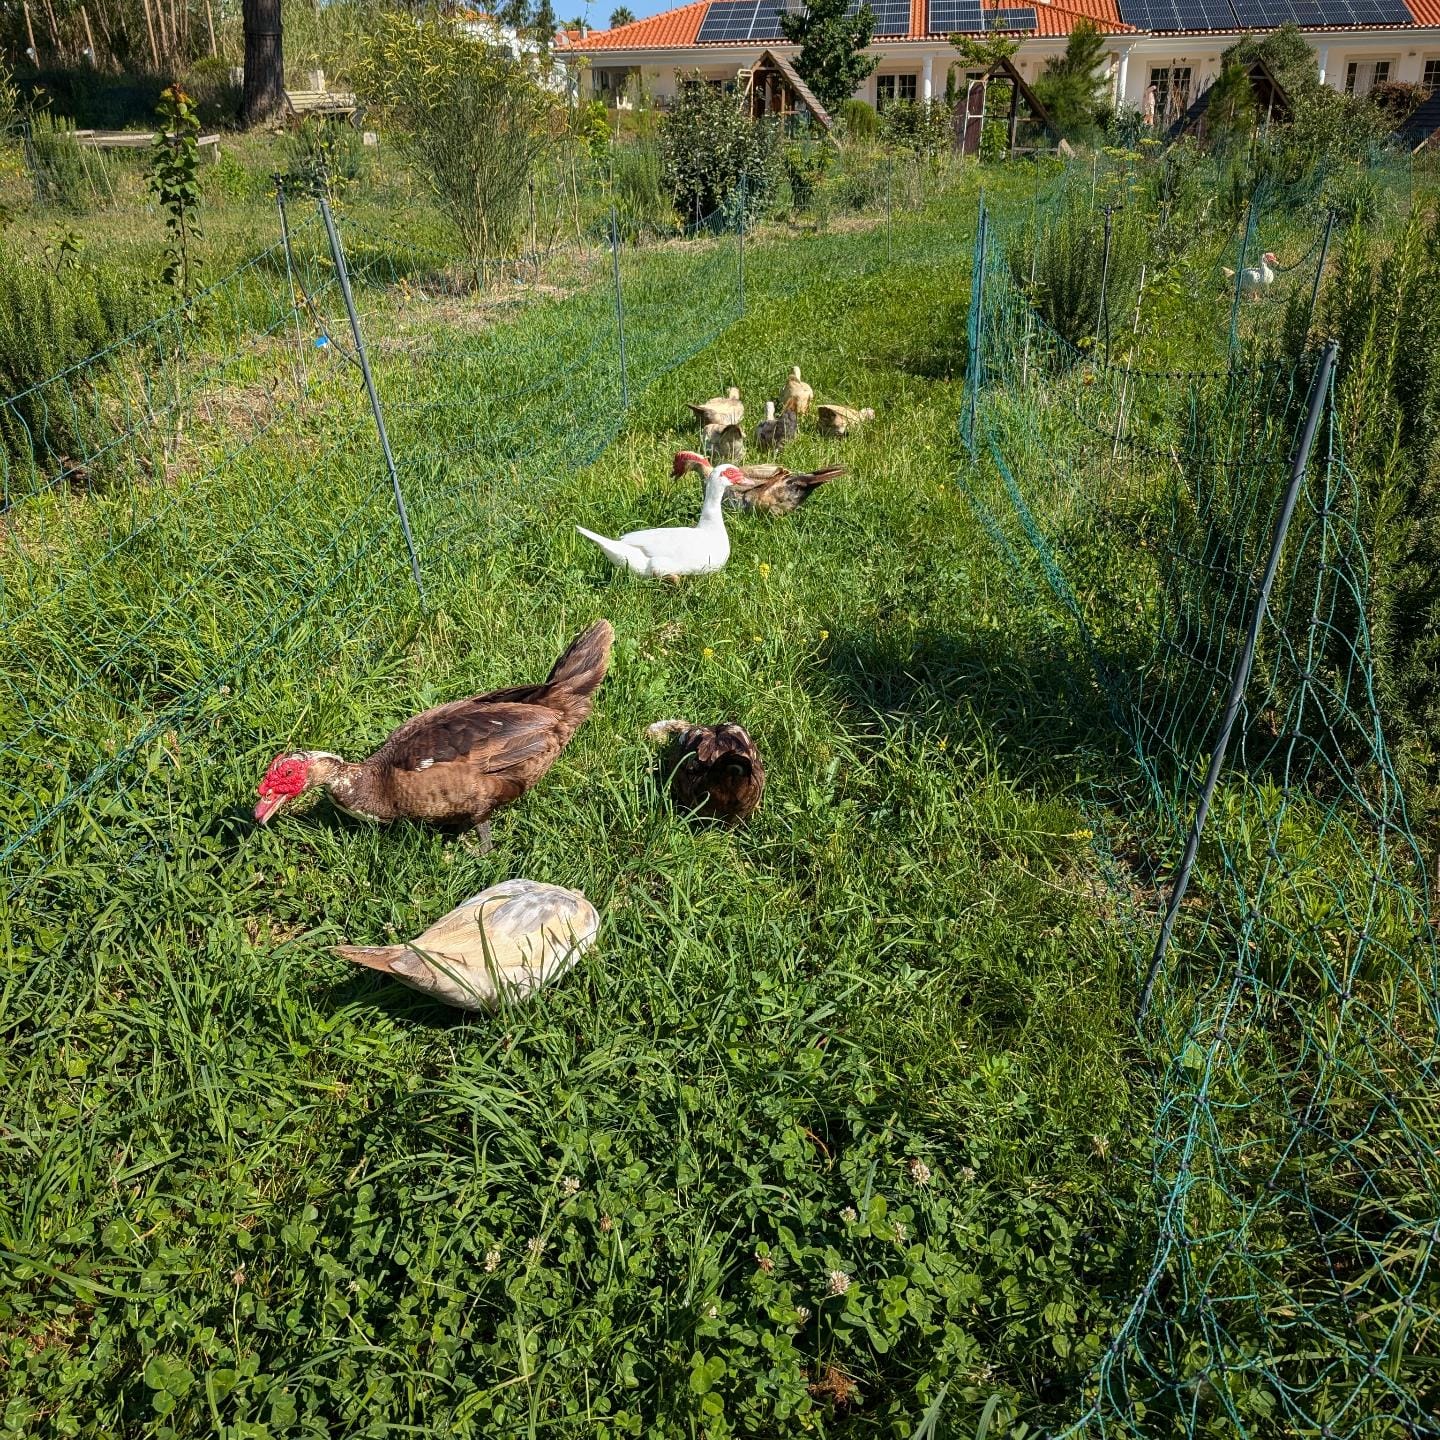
(455, 765)
(771, 488)
(715, 770)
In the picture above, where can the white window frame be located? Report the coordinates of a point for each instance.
(1364, 73)
(1163, 77)
(893, 86)
(1432, 64)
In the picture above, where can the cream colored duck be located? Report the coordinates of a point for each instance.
(841, 420)
(699, 550)
(796, 393)
(498, 946)
(725, 409)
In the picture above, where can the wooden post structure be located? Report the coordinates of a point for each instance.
(30, 31)
(150, 29)
(1014, 114)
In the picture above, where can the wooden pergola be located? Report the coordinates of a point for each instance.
(970, 114)
(774, 88)
(1272, 105)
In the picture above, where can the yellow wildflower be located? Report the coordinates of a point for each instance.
(708, 653)
(764, 569)
(824, 634)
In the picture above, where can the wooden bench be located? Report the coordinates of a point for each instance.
(139, 140)
(321, 102)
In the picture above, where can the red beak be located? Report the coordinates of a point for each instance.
(267, 806)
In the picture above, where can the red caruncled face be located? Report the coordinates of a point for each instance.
(284, 780)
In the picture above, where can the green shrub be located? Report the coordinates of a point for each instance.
(805, 163)
(321, 145)
(921, 127)
(49, 321)
(59, 169)
(858, 121)
(642, 203)
(1066, 257)
(475, 122)
(215, 94)
(707, 143)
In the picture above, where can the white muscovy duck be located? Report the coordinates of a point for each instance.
(1256, 280)
(698, 550)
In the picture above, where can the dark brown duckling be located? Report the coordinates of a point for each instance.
(715, 770)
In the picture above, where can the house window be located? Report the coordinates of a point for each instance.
(1172, 92)
(894, 87)
(1361, 76)
(1430, 78)
(612, 83)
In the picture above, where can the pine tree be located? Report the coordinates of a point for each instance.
(1069, 85)
(832, 59)
(1230, 110)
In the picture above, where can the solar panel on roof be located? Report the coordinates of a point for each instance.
(1019, 17)
(949, 17)
(767, 22)
(728, 20)
(892, 17)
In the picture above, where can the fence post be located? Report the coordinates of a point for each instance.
(619, 309)
(744, 207)
(290, 280)
(1104, 316)
(1319, 390)
(1320, 270)
(976, 325)
(337, 254)
(1239, 275)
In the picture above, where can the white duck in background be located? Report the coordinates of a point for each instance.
(1254, 281)
(700, 550)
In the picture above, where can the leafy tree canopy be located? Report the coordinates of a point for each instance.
(831, 61)
(621, 15)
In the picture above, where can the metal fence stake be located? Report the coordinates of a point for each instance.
(744, 207)
(1320, 269)
(1240, 276)
(976, 325)
(337, 254)
(619, 310)
(1319, 391)
(1104, 315)
(290, 281)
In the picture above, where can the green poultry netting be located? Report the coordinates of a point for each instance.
(1293, 1287)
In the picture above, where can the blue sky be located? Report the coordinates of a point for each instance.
(598, 12)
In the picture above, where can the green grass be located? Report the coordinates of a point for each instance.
(249, 1191)
(843, 1127)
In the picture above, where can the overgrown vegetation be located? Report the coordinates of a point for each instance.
(475, 121)
(708, 145)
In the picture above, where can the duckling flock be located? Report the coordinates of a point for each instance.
(455, 765)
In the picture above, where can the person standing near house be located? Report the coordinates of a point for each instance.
(1147, 105)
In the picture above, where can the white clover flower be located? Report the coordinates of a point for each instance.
(492, 1259)
(848, 1215)
(967, 1173)
(919, 1172)
(711, 1311)
(902, 1231)
(839, 1282)
(535, 1245)
(570, 1186)
(802, 1314)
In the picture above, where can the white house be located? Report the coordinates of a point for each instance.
(1173, 44)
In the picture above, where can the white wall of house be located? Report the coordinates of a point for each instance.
(1188, 64)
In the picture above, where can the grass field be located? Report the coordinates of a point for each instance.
(840, 1128)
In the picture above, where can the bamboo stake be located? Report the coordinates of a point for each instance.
(1129, 363)
(150, 29)
(210, 21)
(30, 31)
(90, 38)
(54, 30)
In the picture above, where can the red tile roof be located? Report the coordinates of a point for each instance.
(674, 29)
(660, 32)
(1051, 20)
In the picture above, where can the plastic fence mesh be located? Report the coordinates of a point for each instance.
(1293, 1286)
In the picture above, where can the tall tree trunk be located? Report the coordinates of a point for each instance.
(150, 30)
(264, 92)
